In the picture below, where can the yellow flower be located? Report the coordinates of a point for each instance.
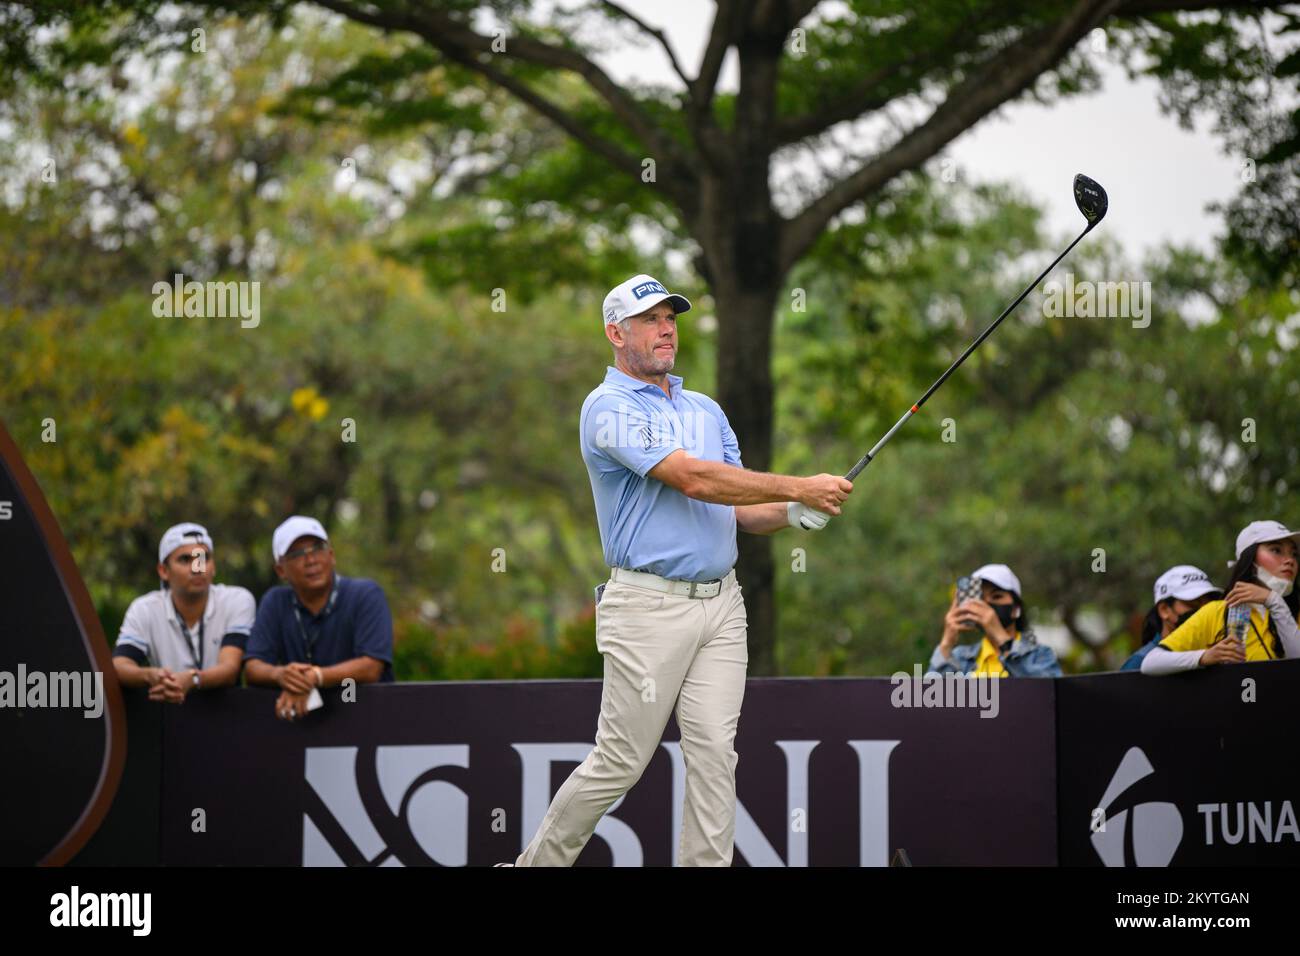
(302, 398)
(310, 403)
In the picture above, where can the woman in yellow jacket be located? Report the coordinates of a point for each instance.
(1263, 578)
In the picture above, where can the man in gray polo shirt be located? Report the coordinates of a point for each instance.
(670, 492)
(190, 634)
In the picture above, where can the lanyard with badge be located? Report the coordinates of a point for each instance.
(195, 649)
(302, 631)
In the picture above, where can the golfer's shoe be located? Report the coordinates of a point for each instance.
(503, 864)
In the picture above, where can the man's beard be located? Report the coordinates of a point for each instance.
(651, 363)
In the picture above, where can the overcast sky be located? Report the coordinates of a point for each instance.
(1159, 176)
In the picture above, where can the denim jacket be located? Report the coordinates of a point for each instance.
(1134, 663)
(1025, 658)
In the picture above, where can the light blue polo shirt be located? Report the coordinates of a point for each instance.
(629, 426)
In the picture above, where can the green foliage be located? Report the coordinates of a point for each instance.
(377, 306)
(1071, 434)
(518, 651)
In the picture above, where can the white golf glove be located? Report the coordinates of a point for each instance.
(809, 519)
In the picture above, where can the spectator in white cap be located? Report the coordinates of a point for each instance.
(320, 628)
(1263, 579)
(190, 634)
(1179, 593)
(1008, 647)
(670, 493)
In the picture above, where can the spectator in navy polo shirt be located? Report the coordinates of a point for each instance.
(320, 630)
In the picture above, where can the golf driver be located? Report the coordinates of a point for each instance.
(1092, 202)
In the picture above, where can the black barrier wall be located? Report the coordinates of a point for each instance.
(1185, 770)
(1195, 769)
(62, 729)
(830, 772)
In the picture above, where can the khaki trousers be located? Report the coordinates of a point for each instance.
(661, 652)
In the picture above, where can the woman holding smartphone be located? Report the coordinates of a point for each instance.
(1008, 647)
(1263, 579)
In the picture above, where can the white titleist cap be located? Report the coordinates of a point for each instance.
(187, 532)
(1184, 582)
(637, 294)
(290, 530)
(1257, 532)
(1000, 576)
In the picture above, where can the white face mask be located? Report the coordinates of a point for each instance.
(1271, 581)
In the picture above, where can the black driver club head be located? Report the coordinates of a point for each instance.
(1090, 198)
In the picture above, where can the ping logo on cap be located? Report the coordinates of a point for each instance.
(648, 288)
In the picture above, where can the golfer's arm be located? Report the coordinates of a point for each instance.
(762, 519)
(721, 484)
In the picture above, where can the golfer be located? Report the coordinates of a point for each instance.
(670, 491)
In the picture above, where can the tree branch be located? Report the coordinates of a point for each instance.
(656, 33)
(857, 102)
(1002, 76)
(449, 35)
(865, 96)
(721, 36)
(1143, 8)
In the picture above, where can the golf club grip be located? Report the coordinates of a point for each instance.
(857, 469)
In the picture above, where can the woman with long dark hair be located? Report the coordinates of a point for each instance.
(1179, 593)
(1263, 578)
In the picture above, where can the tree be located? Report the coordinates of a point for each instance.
(724, 166)
(159, 419)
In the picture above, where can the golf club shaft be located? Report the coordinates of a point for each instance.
(866, 459)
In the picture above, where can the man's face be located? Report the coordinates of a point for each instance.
(308, 564)
(188, 570)
(647, 342)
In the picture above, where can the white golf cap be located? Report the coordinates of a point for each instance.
(1184, 582)
(187, 532)
(290, 530)
(637, 294)
(1000, 576)
(1257, 532)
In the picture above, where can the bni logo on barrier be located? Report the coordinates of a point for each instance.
(384, 806)
(1145, 834)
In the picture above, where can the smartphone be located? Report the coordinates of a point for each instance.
(968, 589)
